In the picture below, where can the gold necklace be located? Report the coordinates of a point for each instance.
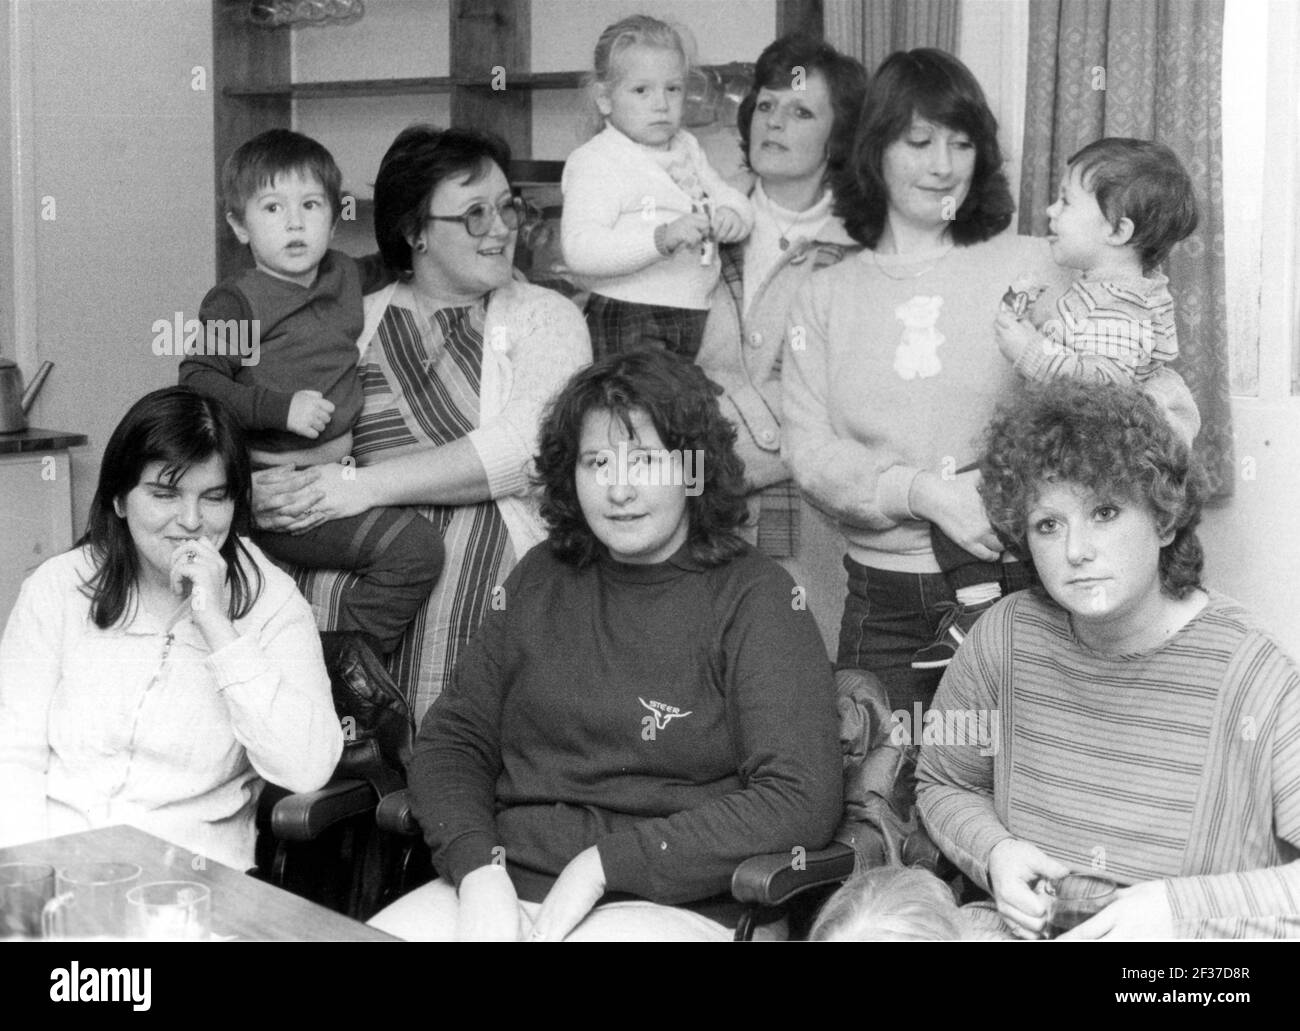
(911, 275)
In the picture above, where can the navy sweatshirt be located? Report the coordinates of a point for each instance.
(308, 341)
(680, 718)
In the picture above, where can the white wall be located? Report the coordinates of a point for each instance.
(1252, 544)
(7, 73)
(120, 144)
(994, 44)
(396, 39)
(408, 39)
(565, 34)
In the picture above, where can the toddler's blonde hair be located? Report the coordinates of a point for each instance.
(890, 903)
(632, 31)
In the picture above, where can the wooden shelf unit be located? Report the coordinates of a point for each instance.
(254, 88)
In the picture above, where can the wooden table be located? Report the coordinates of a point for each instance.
(243, 908)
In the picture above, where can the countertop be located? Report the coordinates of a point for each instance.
(32, 439)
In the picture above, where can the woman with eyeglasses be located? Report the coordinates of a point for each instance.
(458, 360)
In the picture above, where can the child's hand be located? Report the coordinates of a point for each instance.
(1014, 335)
(688, 231)
(728, 226)
(309, 413)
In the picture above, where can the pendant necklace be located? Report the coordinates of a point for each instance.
(784, 241)
(911, 275)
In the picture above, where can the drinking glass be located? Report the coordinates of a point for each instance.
(25, 888)
(91, 901)
(169, 911)
(1074, 898)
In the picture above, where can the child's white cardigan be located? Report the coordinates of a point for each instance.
(534, 339)
(615, 195)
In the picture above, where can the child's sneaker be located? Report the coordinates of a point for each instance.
(954, 627)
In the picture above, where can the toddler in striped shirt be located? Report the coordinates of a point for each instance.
(1122, 207)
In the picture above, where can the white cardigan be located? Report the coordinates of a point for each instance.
(97, 728)
(534, 339)
(615, 194)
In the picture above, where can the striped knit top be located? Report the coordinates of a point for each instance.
(1116, 330)
(1180, 763)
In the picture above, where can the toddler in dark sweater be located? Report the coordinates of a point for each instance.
(280, 349)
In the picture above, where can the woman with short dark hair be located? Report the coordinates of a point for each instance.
(796, 130)
(1145, 727)
(459, 360)
(159, 672)
(645, 709)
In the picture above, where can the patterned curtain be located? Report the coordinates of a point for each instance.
(1149, 70)
(871, 30)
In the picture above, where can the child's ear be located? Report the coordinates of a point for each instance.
(1122, 232)
(236, 224)
(603, 104)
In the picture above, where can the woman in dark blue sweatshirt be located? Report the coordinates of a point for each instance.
(648, 704)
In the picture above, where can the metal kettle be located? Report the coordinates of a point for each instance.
(14, 401)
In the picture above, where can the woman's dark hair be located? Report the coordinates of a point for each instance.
(846, 80)
(1110, 438)
(682, 404)
(938, 87)
(419, 160)
(178, 428)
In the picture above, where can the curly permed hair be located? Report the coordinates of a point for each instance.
(682, 404)
(1111, 438)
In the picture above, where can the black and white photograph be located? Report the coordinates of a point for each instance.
(661, 471)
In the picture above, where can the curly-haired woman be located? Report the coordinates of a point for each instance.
(644, 708)
(1145, 725)
(891, 367)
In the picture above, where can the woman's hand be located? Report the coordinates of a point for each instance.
(1139, 913)
(954, 506)
(198, 566)
(283, 495)
(489, 907)
(728, 226)
(1015, 868)
(340, 493)
(573, 895)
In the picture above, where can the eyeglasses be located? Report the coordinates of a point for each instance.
(478, 219)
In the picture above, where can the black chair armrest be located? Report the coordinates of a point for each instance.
(920, 850)
(305, 816)
(774, 879)
(395, 815)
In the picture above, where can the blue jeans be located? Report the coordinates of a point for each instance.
(888, 616)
